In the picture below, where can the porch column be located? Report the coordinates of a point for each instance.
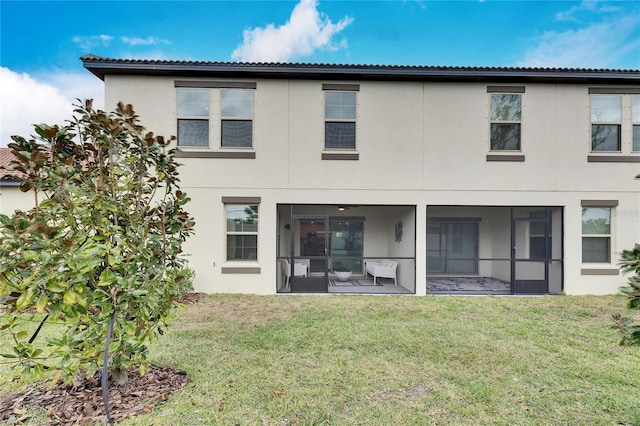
(421, 250)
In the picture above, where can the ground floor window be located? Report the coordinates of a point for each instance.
(242, 232)
(596, 235)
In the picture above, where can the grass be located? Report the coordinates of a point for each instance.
(366, 360)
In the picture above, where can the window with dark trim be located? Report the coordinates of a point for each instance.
(596, 234)
(228, 124)
(193, 117)
(340, 101)
(606, 121)
(241, 232)
(236, 114)
(615, 124)
(506, 120)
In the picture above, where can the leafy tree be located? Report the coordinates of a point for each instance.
(103, 240)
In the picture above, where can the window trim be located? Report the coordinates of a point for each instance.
(626, 154)
(216, 154)
(611, 158)
(225, 118)
(606, 123)
(603, 204)
(203, 118)
(247, 201)
(614, 91)
(599, 271)
(341, 87)
(340, 156)
(506, 89)
(515, 158)
(508, 153)
(331, 153)
(206, 84)
(215, 119)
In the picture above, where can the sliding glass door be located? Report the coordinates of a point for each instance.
(452, 247)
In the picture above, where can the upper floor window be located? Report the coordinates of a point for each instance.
(635, 107)
(193, 117)
(236, 106)
(506, 120)
(615, 123)
(340, 120)
(606, 120)
(215, 114)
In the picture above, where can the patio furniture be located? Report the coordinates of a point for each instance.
(299, 270)
(343, 275)
(385, 268)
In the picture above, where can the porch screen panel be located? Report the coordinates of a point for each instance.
(462, 242)
(452, 247)
(346, 244)
(436, 247)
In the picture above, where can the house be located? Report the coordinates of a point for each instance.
(457, 180)
(11, 198)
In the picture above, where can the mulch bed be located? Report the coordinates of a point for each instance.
(190, 298)
(81, 403)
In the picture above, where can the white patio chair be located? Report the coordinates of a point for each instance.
(385, 268)
(299, 270)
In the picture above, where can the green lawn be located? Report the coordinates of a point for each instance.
(392, 360)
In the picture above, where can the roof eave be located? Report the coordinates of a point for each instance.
(101, 67)
(6, 182)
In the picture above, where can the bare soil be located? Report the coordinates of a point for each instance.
(81, 403)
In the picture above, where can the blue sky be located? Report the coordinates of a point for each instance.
(41, 41)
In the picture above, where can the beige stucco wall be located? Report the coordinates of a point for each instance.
(418, 145)
(11, 199)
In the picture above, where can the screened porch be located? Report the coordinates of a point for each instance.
(494, 250)
(365, 249)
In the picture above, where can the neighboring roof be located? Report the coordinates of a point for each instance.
(6, 174)
(104, 66)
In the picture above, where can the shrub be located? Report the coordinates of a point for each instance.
(630, 264)
(103, 240)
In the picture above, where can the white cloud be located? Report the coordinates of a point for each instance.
(148, 41)
(306, 31)
(88, 42)
(599, 45)
(581, 11)
(26, 100)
